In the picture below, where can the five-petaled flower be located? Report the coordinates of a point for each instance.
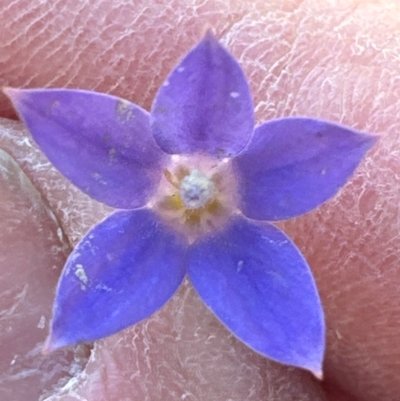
(196, 182)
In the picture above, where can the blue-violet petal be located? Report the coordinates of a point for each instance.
(122, 271)
(292, 165)
(101, 143)
(205, 104)
(259, 285)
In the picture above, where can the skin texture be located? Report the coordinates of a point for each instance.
(336, 60)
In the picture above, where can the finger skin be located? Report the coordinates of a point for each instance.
(338, 62)
(32, 251)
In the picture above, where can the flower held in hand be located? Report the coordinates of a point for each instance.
(196, 182)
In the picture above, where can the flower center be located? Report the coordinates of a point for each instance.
(196, 190)
(197, 194)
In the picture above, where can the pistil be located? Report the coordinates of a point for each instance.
(196, 190)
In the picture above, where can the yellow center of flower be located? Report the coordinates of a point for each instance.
(196, 195)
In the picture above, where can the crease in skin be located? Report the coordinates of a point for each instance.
(19, 297)
(306, 57)
(11, 174)
(31, 252)
(61, 196)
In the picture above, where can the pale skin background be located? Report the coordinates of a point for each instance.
(337, 60)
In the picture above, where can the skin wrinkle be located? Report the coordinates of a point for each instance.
(64, 62)
(61, 195)
(27, 233)
(294, 37)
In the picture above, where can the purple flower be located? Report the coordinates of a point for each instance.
(196, 182)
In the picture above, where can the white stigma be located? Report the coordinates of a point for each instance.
(196, 190)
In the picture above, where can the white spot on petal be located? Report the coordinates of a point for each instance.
(103, 287)
(166, 83)
(81, 274)
(98, 177)
(239, 266)
(181, 69)
(234, 94)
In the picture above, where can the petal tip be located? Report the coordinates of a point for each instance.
(319, 374)
(15, 95)
(209, 38)
(53, 344)
(373, 139)
(48, 347)
(369, 141)
(315, 368)
(11, 93)
(209, 33)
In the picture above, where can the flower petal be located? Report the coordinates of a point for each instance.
(121, 272)
(205, 104)
(101, 143)
(292, 165)
(259, 285)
